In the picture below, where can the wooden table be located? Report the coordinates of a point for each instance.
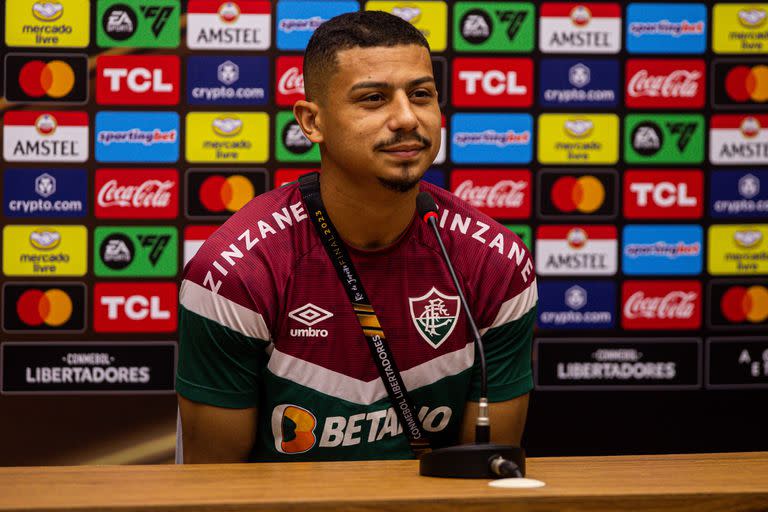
(713, 482)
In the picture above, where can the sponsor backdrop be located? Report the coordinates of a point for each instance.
(626, 143)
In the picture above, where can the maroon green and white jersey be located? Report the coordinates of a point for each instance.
(265, 322)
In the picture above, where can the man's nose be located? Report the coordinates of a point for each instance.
(402, 116)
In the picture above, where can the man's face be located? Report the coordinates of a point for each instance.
(379, 115)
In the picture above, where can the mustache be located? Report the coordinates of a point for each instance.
(401, 137)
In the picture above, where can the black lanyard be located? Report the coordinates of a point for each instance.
(309, 185)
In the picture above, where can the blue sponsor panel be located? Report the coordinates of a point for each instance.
(151, 137)
(228, 80)
(675, 249)
(579, 83)
(297, 21)
(435, 177)
(666, 28)
(45, 192)
(491, 138)
(739, 194)
(577, 304)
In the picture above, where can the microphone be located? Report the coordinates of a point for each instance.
(482, 459)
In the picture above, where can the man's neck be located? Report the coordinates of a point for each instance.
(367, 216)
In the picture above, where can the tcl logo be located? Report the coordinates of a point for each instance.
(137, 193)
(670, 83)
(492, 82)
(502, 194)
(677, 194)
(134, 307)
(137, 80)
(289, 72)
(661, 305)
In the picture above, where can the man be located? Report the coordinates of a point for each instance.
(273, 364)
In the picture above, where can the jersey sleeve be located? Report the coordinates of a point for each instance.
(506, 304)
(223, 332)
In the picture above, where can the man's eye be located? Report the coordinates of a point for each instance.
(374, 98)
(422, 93)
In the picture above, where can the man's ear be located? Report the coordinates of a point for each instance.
(307, 114)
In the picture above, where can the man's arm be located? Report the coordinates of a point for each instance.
(216, 434)
(507, 421)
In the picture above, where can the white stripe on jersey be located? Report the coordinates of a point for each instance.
(514, 308)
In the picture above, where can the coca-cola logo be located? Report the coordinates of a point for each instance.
(149, 194)
(503, 194)
(677, 304)
(291, 82)
(678, 84)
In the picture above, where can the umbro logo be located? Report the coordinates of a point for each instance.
(309, 315)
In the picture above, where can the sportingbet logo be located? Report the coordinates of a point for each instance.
(496, 82)
(663, 194)
(290, 80)
(297, 22)
(137, 137)
(136, 80)
(666, 28)
(501, 194)
(673, 84)
(134, 307)
(309, 315)
(662, 250)
(136, 193)
(661, 305)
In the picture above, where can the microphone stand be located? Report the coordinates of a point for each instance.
(481, 459)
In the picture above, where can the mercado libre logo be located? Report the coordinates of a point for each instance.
(52, 24)
(740, 28)
(32, 307)
(578, 139)
(741, 304)
(495, 27)
(740, 84)
(49, 78)
(137, 137)
(738, 249)
(227, 137)
(42, 251)
(588, 194)
(217, 194)
(138, 23)
(430, 18)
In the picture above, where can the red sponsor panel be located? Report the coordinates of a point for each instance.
(289, 88)
(137, 80)
(45, 121)
(501, 194)
(659, 305)
(285, 176)
(673, 83)
(565, 9)
(496, 82)
(134, 307)
(136, 193)
(663, 194)
(749, 125)
(241, 7)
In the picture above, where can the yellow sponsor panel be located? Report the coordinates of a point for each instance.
(431, 18)
(47, 23)
(46, 250)
(740, 28)
(227, 137)
(738, 249)
(578, 139)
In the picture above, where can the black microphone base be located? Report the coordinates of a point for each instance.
(469, 460)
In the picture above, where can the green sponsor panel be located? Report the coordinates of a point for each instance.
(138, 23)
(493, 26)
(524, 232)
(664, 139)
(290, 143)
(135, 251)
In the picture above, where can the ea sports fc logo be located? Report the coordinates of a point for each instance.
(293, 428)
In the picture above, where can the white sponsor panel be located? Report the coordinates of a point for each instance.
(234, 25)
(581, 29)
(45, 138)
(738, 140)
(576, 251)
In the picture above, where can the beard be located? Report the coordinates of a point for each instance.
(404, 183)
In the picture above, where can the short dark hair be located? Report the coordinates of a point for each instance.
(364, 29)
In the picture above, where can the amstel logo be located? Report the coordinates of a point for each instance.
(293, 428)
(745, 304)
(47, 11)
(229, 12)
(750, 127)
(581, 16)
(46, 124)
(577, 238)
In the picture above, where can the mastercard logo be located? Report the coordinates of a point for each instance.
(44, 240)
(46, 124)
(584, 194)
(51, 307)
(55, 78)
(581, 15)
(744, 83)
(47, 11)
(227, 126)
(578, 128)
(752, 18)
(229, 12)
(750, 127)
(740, 304)
(293, 428)
(577, 238)
(219, 193)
